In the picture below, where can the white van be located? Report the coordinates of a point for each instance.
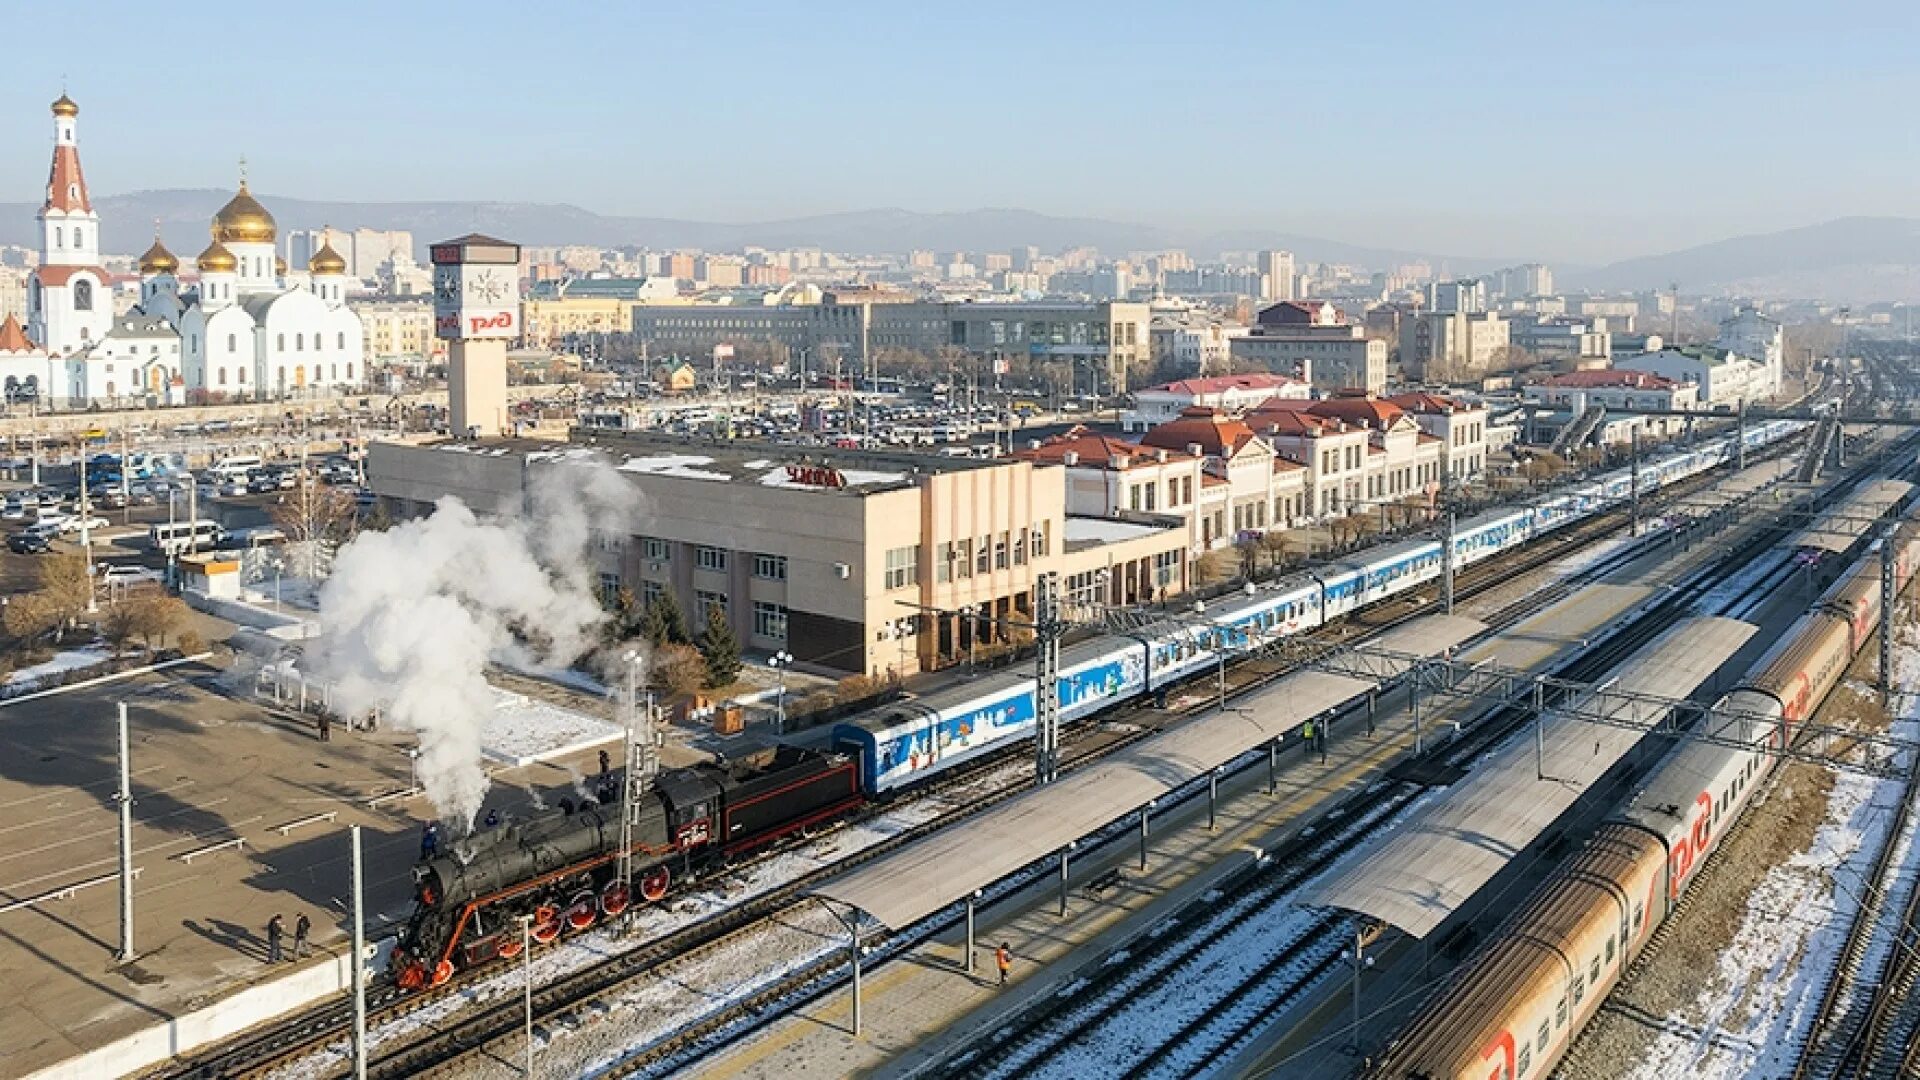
(172, 538)
(235, 467)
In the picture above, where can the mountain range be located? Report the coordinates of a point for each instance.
(1856, 258)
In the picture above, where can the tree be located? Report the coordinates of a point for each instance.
(315, 520)
(1276, 544)
(720, 649)
(28, 617)
(66, 588)
(676, 670)
(157, 617)
(664, 624)
(1212, 567)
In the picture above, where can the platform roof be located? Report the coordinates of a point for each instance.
(924, 877)
(1418, 873)
(1841, 526)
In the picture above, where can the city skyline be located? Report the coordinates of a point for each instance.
(1417, 142)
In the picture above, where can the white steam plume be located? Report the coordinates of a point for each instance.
(411, 616)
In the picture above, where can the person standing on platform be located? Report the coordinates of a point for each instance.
(1306, 737)
(430, 840)
(301, 928)
(606, 763)
(326, 727)
(1003, 957)
(275, 931)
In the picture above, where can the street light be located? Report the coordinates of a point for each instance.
(779, 662)
(971, 613)
(901, 629)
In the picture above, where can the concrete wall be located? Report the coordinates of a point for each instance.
(220, 1020)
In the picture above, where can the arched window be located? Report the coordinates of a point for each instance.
(59, 238)
(343, 339)
(299, 343)
(82, 294)
(232, 343)
(79, 239)
(240, 376)
(349, 371)
(280, 343)
(223, 376)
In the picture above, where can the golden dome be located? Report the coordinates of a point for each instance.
(244, 221)
(327, 261)
(217, 259)
(65, 106)
(158, 260)
(279, 266)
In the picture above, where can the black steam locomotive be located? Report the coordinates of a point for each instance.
(561, 868)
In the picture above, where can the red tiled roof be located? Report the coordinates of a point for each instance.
(1208, 480)
(1358, 408)
(1612, 377)
(1093, 449)
(13, 339)
(1290, 421)
(1422, 402)
(1281, 464)
(66, 187)
(1217, 434)
(54, 276)
(1256, 380)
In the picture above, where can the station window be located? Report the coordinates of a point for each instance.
(609, 589)
(903, 566)
(709, 602)
(1000, 552)
(770, 567)
(650, 593)
(770, 620)
(656, 549)
(711, 558)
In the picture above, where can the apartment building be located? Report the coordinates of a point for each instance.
(553, 311)
(399, 333)
(1442, 345)
(1313, 341)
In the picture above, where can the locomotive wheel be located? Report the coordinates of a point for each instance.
(583, 910)
(654, 885)
(412, 976)
(546, 924)
(615, 899)
(510, 947)
(442, 972)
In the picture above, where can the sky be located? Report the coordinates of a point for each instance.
(1575, 132)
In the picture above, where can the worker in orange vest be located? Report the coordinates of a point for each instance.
(1003, 956)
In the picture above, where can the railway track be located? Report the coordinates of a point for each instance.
(1150, 974)
(270, 1047)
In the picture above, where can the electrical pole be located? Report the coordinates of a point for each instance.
(1887, 594)
(86, 533)
(359, 962)
(1740, 434)
(1446, 564)
(1633, 477)
(126, 843)
(1046, 685)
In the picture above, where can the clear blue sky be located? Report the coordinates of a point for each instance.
(1564, 130)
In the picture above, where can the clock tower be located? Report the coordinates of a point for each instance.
(476, 309)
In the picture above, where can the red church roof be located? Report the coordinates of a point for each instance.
(13, 339)
(55, 276)
(66, 186)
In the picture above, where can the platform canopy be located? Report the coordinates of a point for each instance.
(1416, 875)
(920, 879)
(1839, 528)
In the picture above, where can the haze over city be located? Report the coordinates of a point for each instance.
(1507, 130)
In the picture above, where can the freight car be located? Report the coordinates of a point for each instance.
(1514, 1008)
(561, 867)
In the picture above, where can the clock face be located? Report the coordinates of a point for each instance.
(487, 287)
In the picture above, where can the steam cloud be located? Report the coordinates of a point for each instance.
(411, 616)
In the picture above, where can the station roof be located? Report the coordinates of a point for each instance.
(924, 877)
(1839, 528)
(1418, 873)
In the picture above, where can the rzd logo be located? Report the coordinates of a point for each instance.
(480, 323)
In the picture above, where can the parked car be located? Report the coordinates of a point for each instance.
(29, 543)
(235, 486)
(78, 522)
(125, 574)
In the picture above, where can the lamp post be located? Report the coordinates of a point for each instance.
(780, 662)
(901, 629)
(971, 613)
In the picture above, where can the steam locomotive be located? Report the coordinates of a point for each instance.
(562, 869)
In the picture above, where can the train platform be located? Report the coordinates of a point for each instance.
(922, 1007)
(240, 813)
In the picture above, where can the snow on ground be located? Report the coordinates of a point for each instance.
(757, 957)
(522, 731)
(1770, 977)
(65, 660)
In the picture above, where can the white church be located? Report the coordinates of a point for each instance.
(240, 332)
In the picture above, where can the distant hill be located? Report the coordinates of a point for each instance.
(183, 216)
(1857, 258)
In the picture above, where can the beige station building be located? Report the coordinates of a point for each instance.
(852, 561)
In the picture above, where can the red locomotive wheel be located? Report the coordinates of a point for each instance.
(654, 885)
(510, 947)
(546, 924)
(412, 976)
(582, 912)
(615, 899)
(442, 972)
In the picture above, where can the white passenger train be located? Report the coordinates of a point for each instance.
(909, 742)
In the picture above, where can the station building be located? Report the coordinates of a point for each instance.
(853, 561)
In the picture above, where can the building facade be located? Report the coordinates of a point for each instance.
(1725, 379)
(1312, 341)
(1442, 346)
(1230, 394)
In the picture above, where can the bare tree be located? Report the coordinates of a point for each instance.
(316, 520)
